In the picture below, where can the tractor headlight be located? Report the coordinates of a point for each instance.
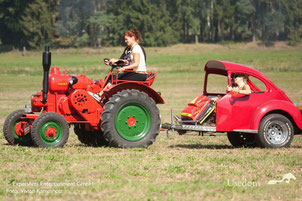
(27, 108)
(73, 80)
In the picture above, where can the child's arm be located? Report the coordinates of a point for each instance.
(246, 90)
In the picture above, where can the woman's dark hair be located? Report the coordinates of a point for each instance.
(133, 33)
(244, 76)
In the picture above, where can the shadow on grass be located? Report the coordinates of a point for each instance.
(216, 146)
(296, 146)
(91, 145)
(202, 146)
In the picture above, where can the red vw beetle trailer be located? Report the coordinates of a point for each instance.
(265, 118)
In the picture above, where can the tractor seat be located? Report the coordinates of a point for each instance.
(149, 81)
(150, 78)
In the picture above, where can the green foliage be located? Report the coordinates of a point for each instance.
(99, 26)
(295, 35)
(37, 24)
(82, 41)
(97, 23)
(11, 11)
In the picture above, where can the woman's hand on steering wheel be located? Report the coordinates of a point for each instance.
(110, 61)
(106, 61)
(120, 70)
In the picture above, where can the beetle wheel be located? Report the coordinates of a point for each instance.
(275, 131)
(242, 139)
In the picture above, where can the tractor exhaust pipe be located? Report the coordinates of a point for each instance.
(46, 57)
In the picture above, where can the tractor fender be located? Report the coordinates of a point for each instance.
(123, 86)
(278, 106)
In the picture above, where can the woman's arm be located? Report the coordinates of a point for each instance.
(229, 88)
(246, 90)
(110, 61)
(136, 58)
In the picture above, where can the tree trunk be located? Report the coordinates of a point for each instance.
(253, 27)
(201, 32)
(185, 30)
(221, 30)
(212, 23)
(218, 32)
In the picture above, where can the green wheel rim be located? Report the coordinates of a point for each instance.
(133, 121)
(51, 132)
(25, 138)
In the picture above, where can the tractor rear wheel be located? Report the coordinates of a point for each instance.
(130, 119)
(242, 139)
(12, 134)
(275, 131)
(50, 130)
(89, 138)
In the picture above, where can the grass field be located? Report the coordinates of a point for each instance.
(188, 167)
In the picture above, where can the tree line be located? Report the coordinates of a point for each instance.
(96, 23)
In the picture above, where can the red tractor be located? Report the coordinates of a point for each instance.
(127, 115)
(264, 118)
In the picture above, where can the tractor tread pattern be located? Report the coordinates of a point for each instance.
(90, 138)
(44, 117)
(108, 119)
(7, 129)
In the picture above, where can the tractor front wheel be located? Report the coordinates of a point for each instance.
(130, 119)
(50, 130)
(17, 130)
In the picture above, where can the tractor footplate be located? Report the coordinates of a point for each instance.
(186, 127)
(197, 128)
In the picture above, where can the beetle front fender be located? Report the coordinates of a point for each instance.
(276, 105)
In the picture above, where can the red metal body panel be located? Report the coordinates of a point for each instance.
(58, 82)
(237, 113)
(195, 107)
(86, 107)
(277, 105)
(241, 112)
(73, 102)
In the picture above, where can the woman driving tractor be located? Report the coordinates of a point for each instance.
(133, 58)
(133, 62)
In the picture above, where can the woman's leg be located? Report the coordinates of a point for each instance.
(132, 76)
(108, 83)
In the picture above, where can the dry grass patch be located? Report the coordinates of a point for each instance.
(187, 167)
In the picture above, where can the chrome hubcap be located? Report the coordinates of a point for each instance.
(276, 132)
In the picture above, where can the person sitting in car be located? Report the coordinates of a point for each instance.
(241, 86)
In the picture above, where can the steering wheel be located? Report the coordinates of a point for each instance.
(118, 64)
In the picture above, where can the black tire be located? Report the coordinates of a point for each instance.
(9, 130)
(141, 130)
(275, 131)
(50, 130)
(90, 138)
(181, 132)
(242, 139)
